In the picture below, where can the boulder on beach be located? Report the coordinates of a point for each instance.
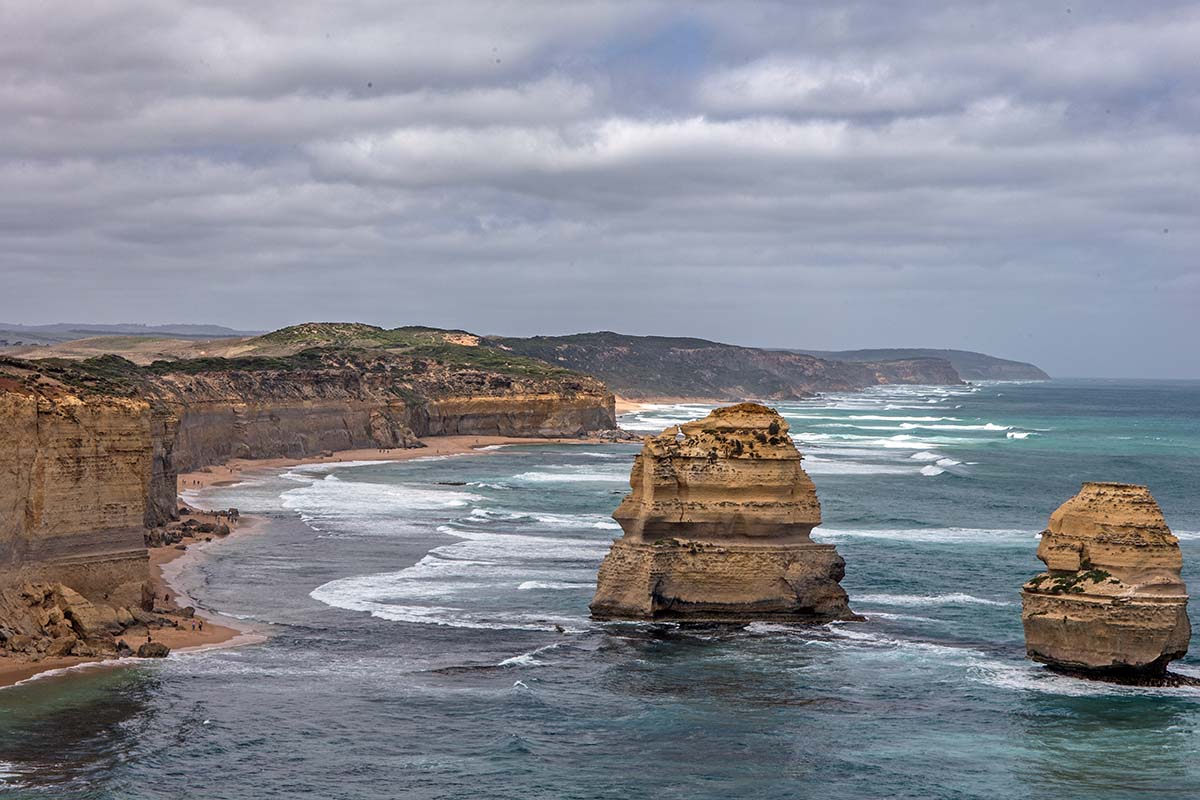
(153, 650)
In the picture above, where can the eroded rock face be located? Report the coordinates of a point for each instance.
(50, 619)
(1112, 601)
(717, 528)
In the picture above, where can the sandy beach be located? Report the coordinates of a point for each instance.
(627, 406)
(192, 633)
(230, 472)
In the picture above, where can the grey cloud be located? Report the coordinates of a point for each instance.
(1007, 177)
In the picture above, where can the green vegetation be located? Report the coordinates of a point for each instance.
(312, 358)
(970, 365)
(492, 359)
(1071, 584)
(107, 374)
(352, 334)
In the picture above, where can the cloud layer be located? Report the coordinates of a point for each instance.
(1020, 178)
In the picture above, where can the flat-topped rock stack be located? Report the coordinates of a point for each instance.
(1112, 602)
(717, 528)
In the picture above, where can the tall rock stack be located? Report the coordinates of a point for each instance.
(717, 528)
(1111, 603)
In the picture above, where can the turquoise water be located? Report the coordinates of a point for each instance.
(414, 650)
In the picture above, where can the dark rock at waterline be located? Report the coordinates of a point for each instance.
(153, 650)
(1130, 677)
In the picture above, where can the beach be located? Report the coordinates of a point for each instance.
(167, 562)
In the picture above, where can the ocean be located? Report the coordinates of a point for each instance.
(429, 634)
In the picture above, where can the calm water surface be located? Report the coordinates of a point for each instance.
(414, 649)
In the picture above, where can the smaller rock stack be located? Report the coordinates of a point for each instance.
(1112, 603)
(717, 528)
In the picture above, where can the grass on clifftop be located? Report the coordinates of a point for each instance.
(307, 347)
(352, 334)
(108, 374)
(490, 359)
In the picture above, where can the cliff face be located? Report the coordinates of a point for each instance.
(660, 366)
(386, 401)
(1112, 599)
(90, 451)
(717, 528)
(76, 478)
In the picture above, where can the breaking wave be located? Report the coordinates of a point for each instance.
(954, 598)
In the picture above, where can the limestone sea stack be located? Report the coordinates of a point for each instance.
(717, 529)
(1112, 603)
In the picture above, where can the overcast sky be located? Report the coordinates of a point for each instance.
(1021, 178)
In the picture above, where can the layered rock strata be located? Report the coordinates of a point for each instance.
(718, 526)
(1112, 602)
(79, 481)
(90, 451)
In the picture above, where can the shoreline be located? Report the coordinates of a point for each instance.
(230, 472)
(167, 563)
(627, 405)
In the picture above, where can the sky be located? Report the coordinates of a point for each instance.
(1020, 178)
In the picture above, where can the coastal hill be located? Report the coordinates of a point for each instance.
(970, 365)
(632, 366)
(664, 366)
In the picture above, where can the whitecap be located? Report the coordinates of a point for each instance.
(816, 465)
(954, 598)
(1033, 678)
(551, 585)
(989, 426)
(926, 535)
(567, 477)
(527, 659)
(929, 470)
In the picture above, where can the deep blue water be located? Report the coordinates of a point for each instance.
(413, 648)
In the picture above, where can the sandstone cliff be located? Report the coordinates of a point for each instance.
(90, 450)
(717, 528)
(1112, 600)
(75, 480)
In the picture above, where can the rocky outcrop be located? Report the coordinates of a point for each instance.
(49, 619)
(1112, 602)
(718, 526)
